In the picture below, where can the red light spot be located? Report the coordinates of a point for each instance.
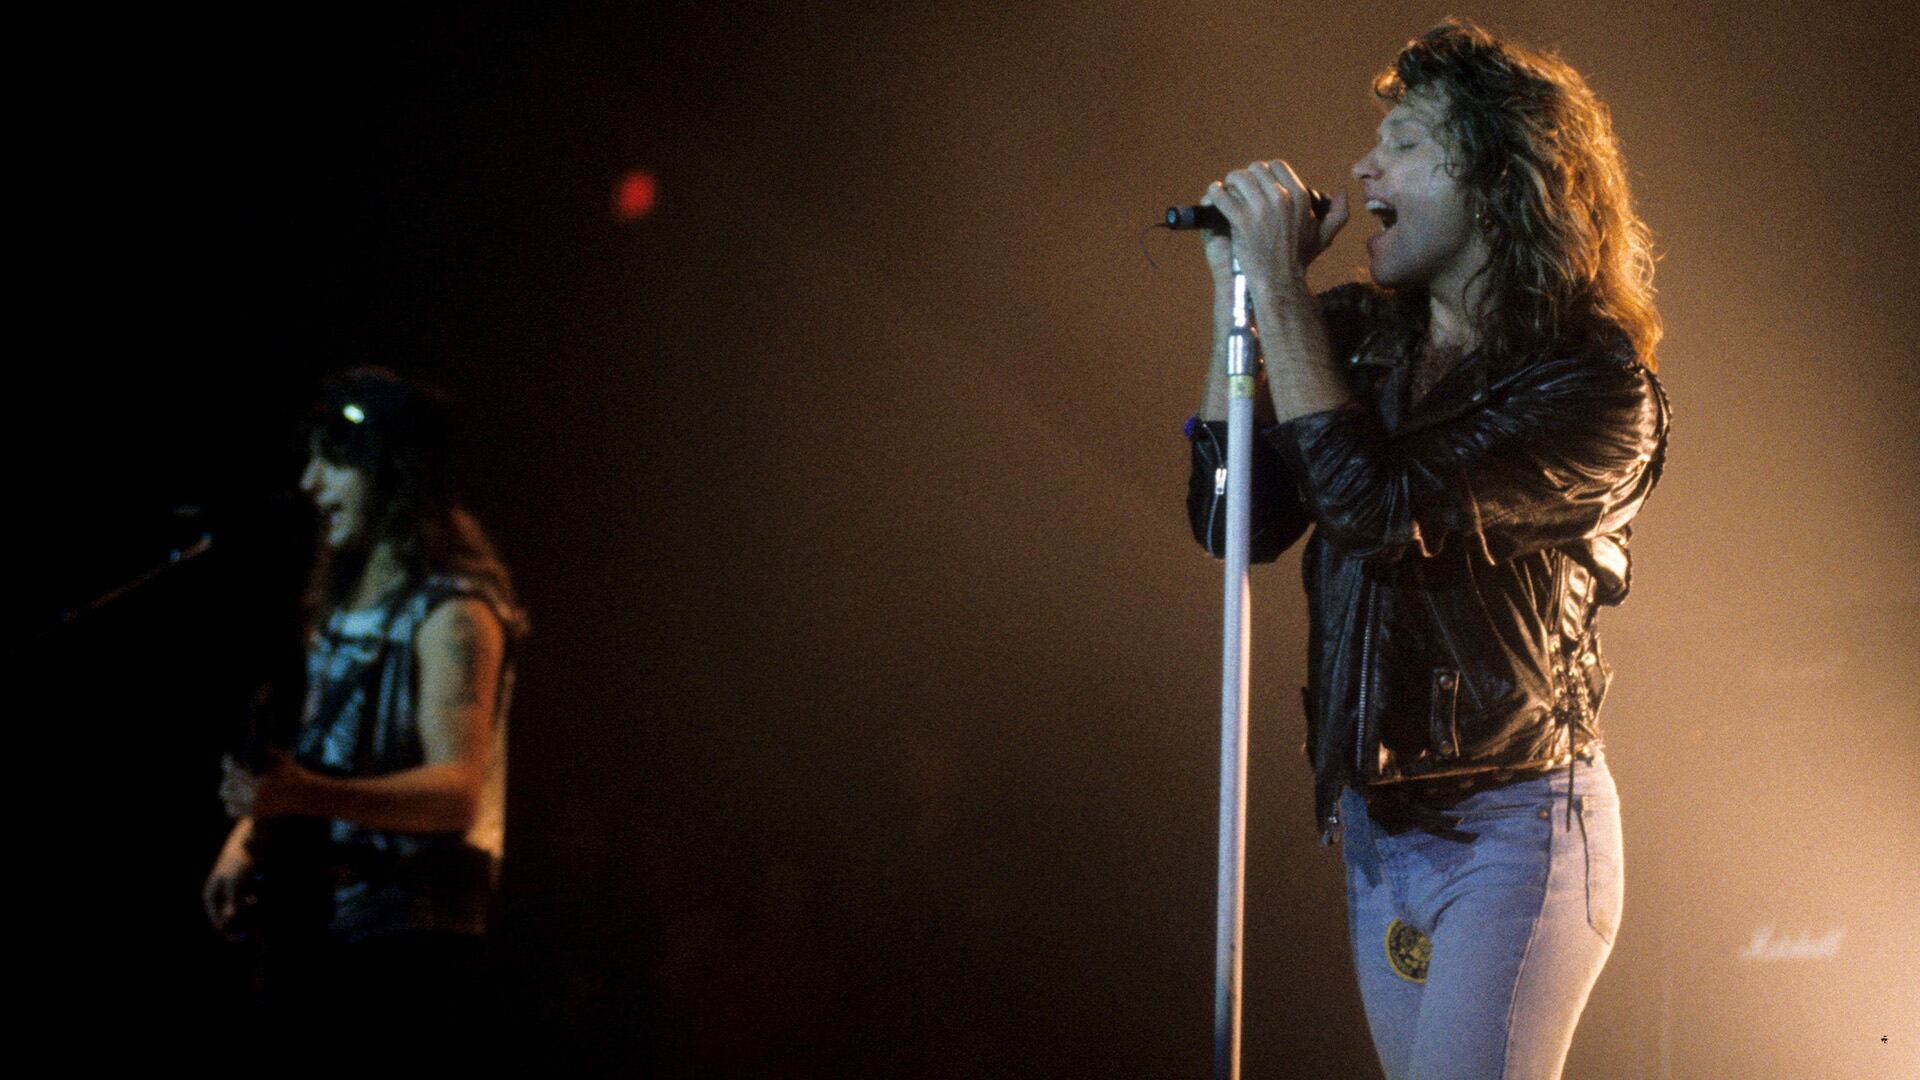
(633, 196)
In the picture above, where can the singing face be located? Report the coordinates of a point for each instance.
(343, 494)
(1427, 235)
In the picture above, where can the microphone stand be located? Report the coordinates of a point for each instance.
(175, 559)
(1243, 364)
(1243, 369)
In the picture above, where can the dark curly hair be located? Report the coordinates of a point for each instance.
(1570, 262)
(395, 430)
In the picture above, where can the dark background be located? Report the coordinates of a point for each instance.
(869, 724)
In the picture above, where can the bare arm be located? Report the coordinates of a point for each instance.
(459, 648)
(1301, 375)
(1213, 400)
(1276, 239)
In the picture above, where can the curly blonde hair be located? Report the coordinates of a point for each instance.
(1545, 179)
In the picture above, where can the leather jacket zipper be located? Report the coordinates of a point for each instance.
(1366, 680)
(1219, 490)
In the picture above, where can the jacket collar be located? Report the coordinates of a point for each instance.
(1459, 390)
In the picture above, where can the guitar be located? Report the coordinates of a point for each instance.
(288, 892)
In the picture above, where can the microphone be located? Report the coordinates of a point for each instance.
(247, 513)
(257, 522)
(1211, 219)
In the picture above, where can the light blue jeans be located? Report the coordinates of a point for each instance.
(1476, 956)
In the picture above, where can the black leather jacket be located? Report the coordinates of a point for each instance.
(1458, 555)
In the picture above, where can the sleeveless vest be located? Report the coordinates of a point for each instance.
(359, 720)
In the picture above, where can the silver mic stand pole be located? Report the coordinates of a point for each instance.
(1243, 363)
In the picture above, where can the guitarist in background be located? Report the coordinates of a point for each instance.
(395, 775)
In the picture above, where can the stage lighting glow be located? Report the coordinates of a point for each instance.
(633, 196)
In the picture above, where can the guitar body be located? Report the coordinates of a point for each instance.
(288, 895)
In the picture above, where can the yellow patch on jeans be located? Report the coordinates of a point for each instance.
(1408, 951)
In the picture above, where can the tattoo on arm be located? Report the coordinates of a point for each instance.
(460, 651)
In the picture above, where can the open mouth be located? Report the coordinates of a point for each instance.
(1384, 211)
